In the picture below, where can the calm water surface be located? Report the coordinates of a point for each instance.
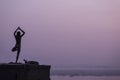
(85, 74)
(85, 78)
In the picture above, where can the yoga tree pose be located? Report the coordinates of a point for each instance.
(19, 33)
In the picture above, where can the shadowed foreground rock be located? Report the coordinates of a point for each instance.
(24, 72)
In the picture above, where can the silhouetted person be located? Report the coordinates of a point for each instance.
(19, 33)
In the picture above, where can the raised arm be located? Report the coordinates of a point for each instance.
(15, 31)
(23, 32)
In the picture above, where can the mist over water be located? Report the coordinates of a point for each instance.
(62, 32)
(65, 33)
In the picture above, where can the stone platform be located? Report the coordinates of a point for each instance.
(24, 72)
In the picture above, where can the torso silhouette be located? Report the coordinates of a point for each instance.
(18, 37)
(18, 40)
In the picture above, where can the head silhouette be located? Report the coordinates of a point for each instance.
(18, 33)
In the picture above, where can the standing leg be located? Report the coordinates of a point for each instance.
(18, 53)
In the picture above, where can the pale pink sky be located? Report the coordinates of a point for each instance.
(62, 32)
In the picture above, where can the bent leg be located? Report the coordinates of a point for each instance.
(14, 48)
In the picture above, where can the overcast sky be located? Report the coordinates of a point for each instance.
(62, 32)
